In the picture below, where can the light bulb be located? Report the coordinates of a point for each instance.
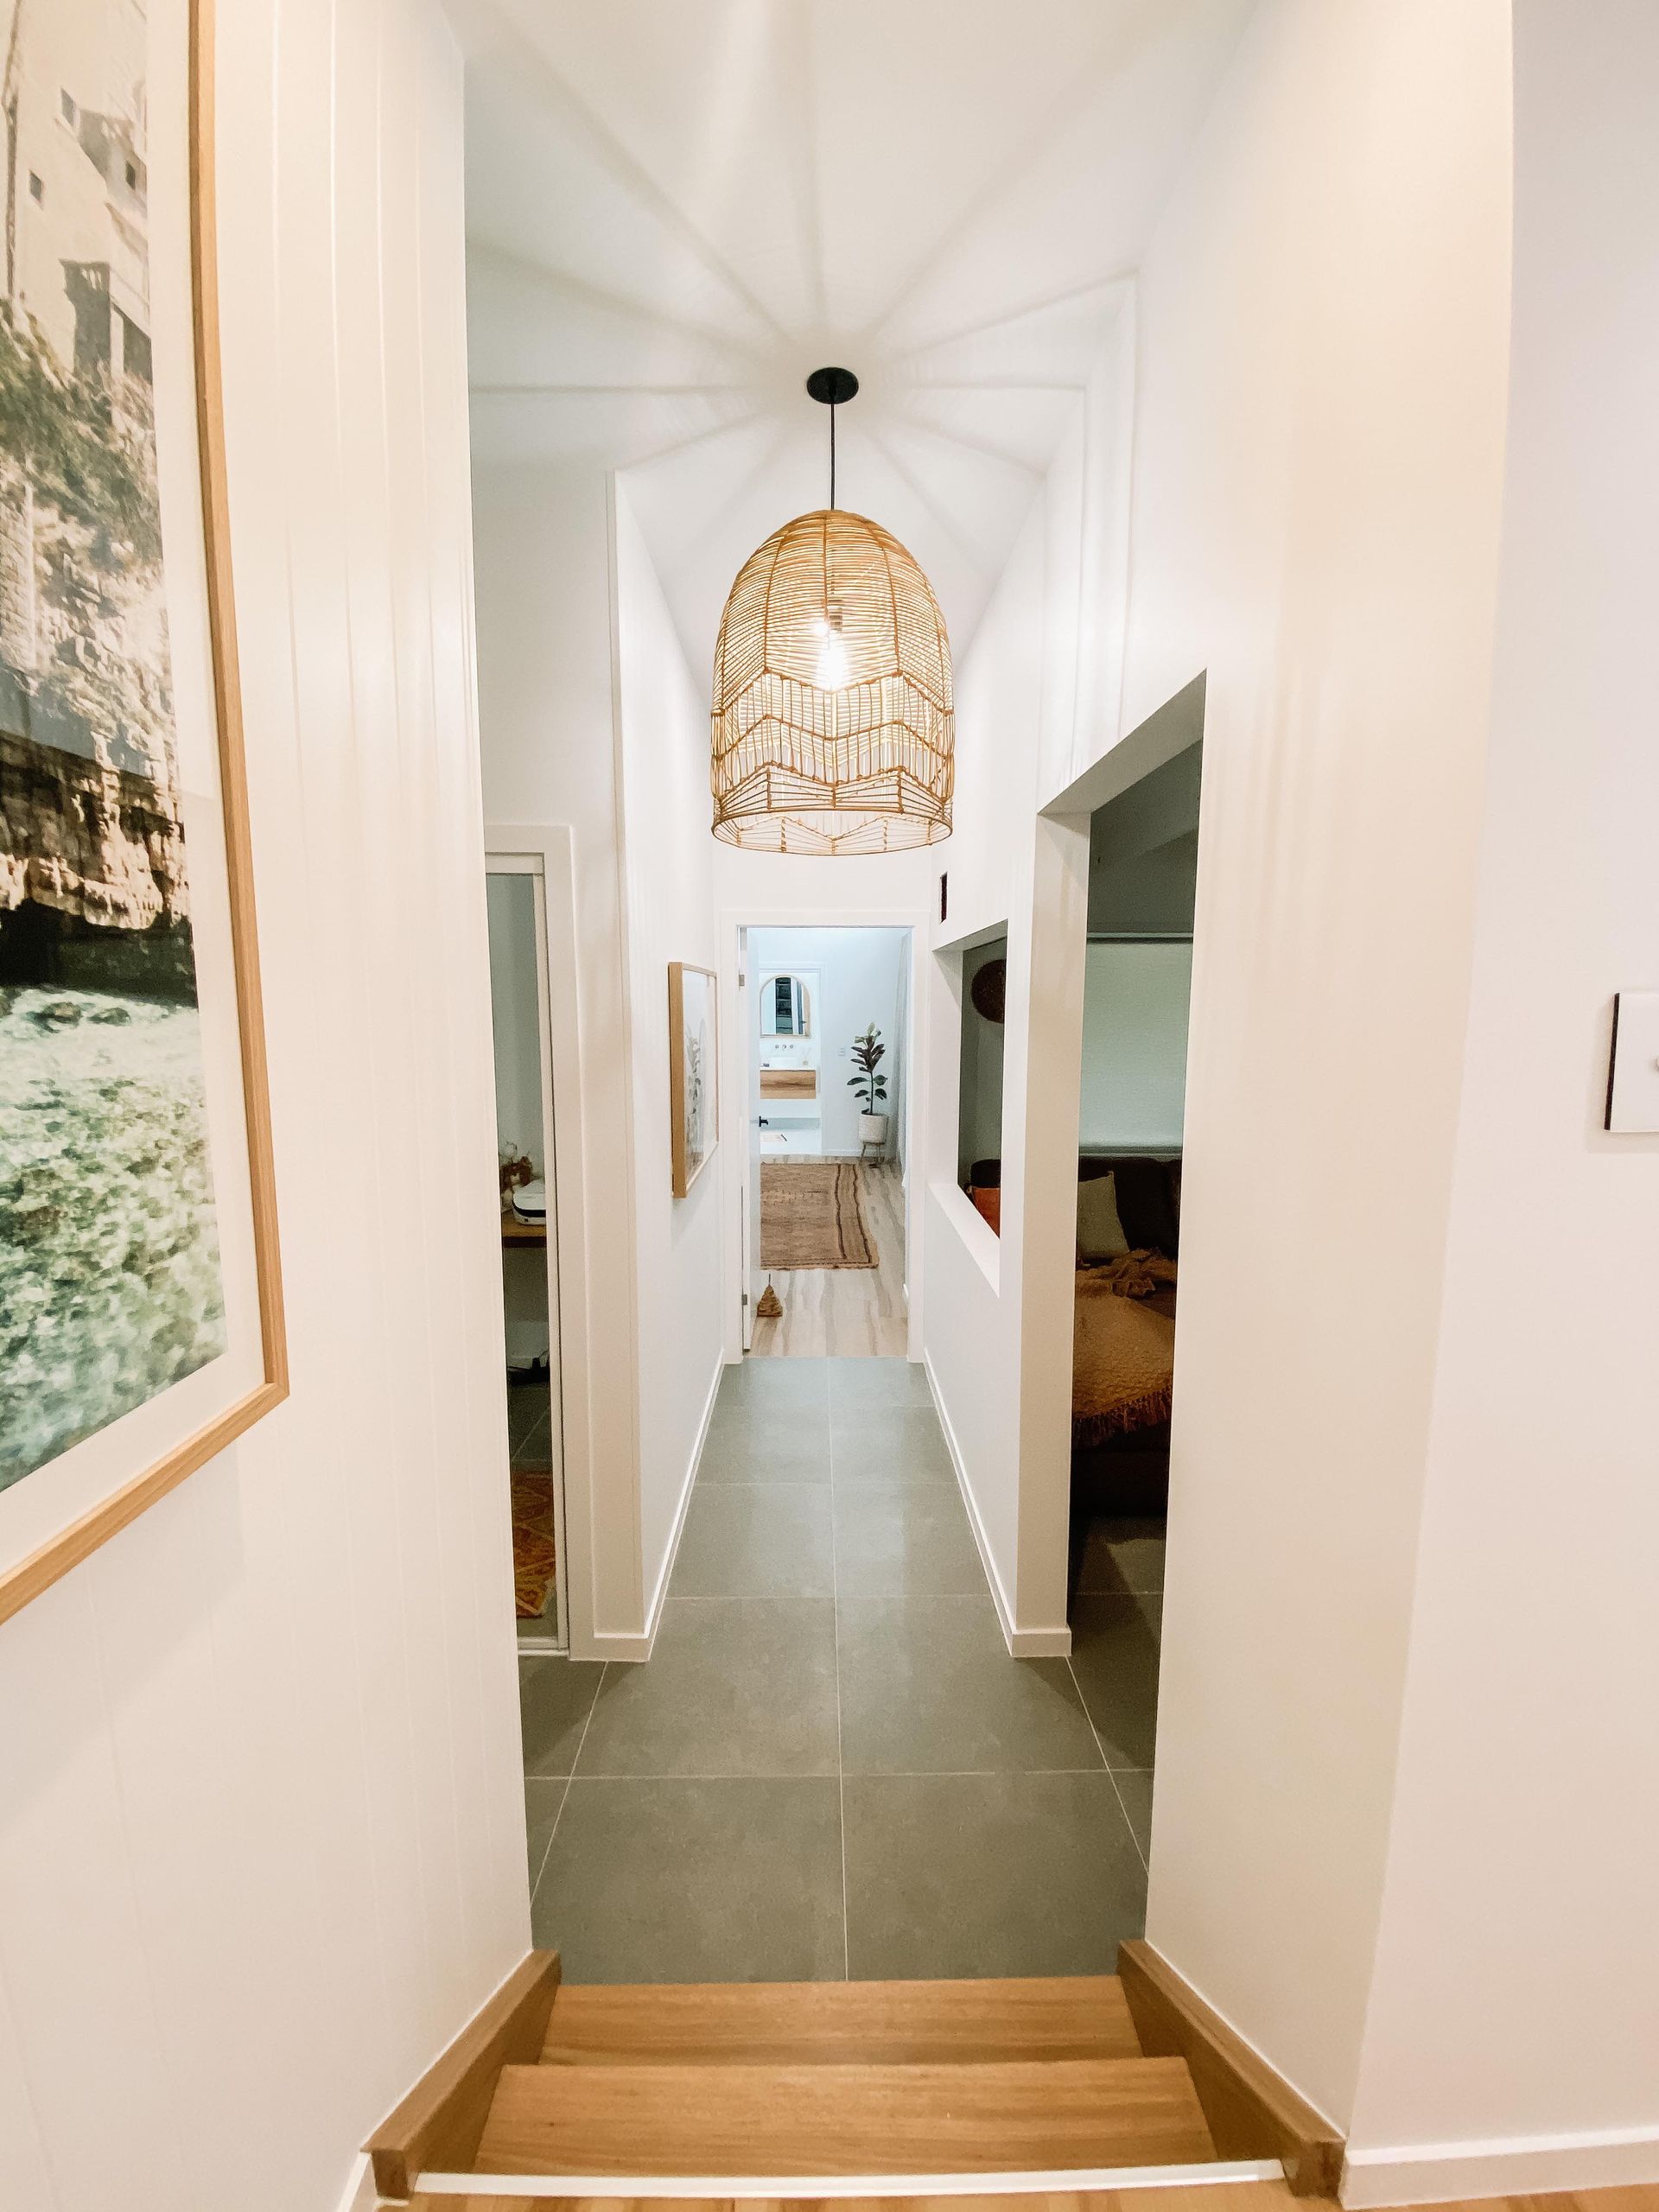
(832, 672)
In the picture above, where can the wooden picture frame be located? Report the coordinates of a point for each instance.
(693, 1070)
(254, 1377)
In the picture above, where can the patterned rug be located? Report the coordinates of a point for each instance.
(535, 1550)
(811, 1215)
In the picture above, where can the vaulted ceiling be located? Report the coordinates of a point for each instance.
(676, 208)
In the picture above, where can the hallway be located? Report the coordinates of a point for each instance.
(847, 1312)
(830, 1767)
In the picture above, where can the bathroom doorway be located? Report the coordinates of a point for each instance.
(517, 898)
(827, 1053)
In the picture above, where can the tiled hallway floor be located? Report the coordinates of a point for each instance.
(831, 1766)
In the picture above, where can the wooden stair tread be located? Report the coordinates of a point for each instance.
(735, 2119)
(890, 2022)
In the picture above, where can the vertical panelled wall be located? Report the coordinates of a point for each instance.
(1320, 407)
(1037, 696)
(261, 1841)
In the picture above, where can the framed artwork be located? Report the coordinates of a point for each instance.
(141, 1324)
(693, 1070)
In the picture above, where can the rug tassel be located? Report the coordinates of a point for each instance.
(771, 1307)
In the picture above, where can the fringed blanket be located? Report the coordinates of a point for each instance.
(1123, 1350)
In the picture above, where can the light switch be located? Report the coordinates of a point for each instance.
(1633, 1079)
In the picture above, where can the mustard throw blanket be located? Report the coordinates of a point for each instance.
(1123, 1352)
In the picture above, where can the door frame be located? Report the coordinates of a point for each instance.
(548, 849)
(765, 914)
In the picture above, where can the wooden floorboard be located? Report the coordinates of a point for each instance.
(889, 2023)
(847, 1313)
(843, 2119)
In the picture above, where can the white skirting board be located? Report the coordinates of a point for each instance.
(1023, 1643)
(638, 1644)
(798, 2187)
(1516, 2165)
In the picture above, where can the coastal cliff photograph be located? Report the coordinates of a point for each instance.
(110, 1276)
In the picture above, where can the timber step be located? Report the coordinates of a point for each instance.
(841, 2118)
(876, 2023)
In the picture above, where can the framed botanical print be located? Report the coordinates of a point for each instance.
(692, 1071)
(141, 1325)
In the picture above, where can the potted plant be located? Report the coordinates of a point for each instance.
(868, 1052)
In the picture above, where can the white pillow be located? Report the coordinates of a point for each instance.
(1099, 1233)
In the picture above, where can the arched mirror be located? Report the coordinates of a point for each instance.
(785, 1009)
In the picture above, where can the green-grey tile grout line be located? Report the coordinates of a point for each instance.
(569, 1778)
(1146, 1864)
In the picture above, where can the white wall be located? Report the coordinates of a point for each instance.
(1407, 1759)
(1001, 1363)
(1317, 477)
(858, 972)
(1134, 1021)
(1520, 1913)
(668, 855)
(261, 1826)
(589, 719)
(551, 755)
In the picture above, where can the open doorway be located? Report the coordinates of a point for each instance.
(826, 1051)
(1137, 985)
(516, 892)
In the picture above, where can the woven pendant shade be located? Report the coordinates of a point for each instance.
(833, 725)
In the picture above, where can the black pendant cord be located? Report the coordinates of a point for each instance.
(832, 388)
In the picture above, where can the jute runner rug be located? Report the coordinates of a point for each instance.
(811, 1215)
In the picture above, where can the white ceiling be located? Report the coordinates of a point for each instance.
(676, 208)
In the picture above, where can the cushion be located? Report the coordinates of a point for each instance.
(989, 1203)
(1099, 1233)
(1147, 1197)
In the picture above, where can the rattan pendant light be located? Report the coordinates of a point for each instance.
(832, 725)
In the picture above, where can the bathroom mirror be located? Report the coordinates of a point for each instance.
(785, 1009)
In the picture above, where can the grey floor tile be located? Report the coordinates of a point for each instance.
(534, 1448)
(555, 1697)
(796, 1386)
(1115, 1656)
(1120, 1556)
(927, 1686)
(894, 1538)
(960, 1875)
(696, 1881)
(542, 1801)
(1135, 1788)
(877, 1383)
(755, 1444)
(755, 1540)
(528, 1404)
(736, 1686)
(890, 1443)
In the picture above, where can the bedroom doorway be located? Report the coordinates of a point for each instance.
(826, 1022)
(1142, 887)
